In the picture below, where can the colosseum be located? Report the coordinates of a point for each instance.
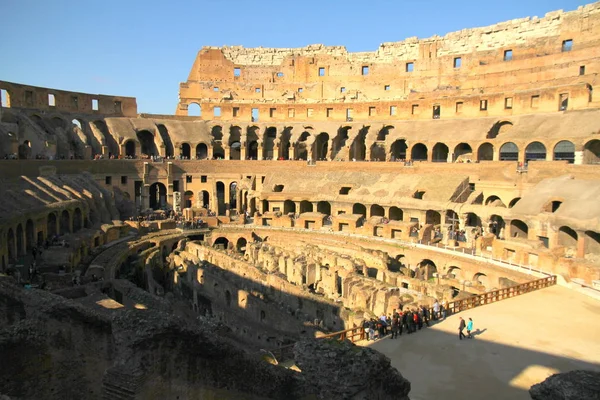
(235, 249)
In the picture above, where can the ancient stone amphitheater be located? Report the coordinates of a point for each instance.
(313, 188)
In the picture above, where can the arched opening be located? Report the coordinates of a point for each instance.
(233, 195)
(201, 151)
(65, 222)
(440, 153)
(158, 196)
(339, 142)
(567, 238)
(564, 150)
(359, 209)
(591, 152)
(130, 148)
(519, 229)
(324, 207)
(19, 235)
(592, 243)
(451, 219)
(269, 143)
(185, 151)
(205, 199)
(146, 139)
(494, 201)
(509, 152)
(463, 152)
(235, 151)
(228, 298)
(513, 202)
(103, 136)
(166, 139)
(535, 151)
(321, 146)
(221, 198)
(241, 245)
(77, 220)
(253, 150)
(194, 110)
(481, 279)
(305, 206)
(358, 149)
(51, 225)
(485, 152)
(289, 207)
(10, 242)
(499, 128)
(29, 235)
(284, 143)
(496, 225)
(433, 217)
(455, 273)
(377, 211)
(301, 146)
(473, 220)
(419, 152)
(221, 243)
(188, 199)
(425, 270)
(25, 150)
(398, 150)
(396, 214)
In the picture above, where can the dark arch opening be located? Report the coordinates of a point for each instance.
(358, 149)
(241, 245)
(358, 208)
(498, 128)
(65, 222)
(324, 207)
(51, 225)
(305, 206)
(396, 214)
(419, 152)
(494, 201)
(221, 198)
(567, 237)
(440, 153)
(564, 150)
(591, 152)
(185, 151)
(433, 217)
(146, 139)
(513, 202)
(29, 235)
(509, 152)
(321, 146)
(158, 196)
(77, 220)
(425, 270)
(289, 207)
(535, 151)
(10, 242)
(221, 243)
(130, 148)
(463, 152)
(519, 229)
(166, 138)
(201, 151)
(485, 152)
(398, 150)
(377, 211)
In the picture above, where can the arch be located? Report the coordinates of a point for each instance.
(433, 217)
(358, 149)
(65, 222)
(513, 202)
(194, 110)
(321, 146)
(305, 206)
(24, 150)
(301, 146)
(201, 151)
(440, 153)
(284, 143)
(463, 152)
(425, 269)
(418, 152)
(29, 235)
(228, 298)
(396, 214)
(481, 279)
(339, 142)
(77, 123)
(518, 229)
(509, 152)
(499, 128)
(51, 225)
(496, 225)
(451, 219)
(166, 139)
(377, 211)
(108, 139)
(77, 220)
(130, 148)
(185, 151)
(205, 196)
(494, 201)
(253, 150)
(567, 237)
(324, 207)
(485, 152)
(147, 144)
(592, 242)
(10, 243)
(473, 220)
(535, 151)
(233, 195)
(456, 271)
(221, 243)
(221, 198)
(564, 150)
(157, 196)
(240, 245)
(377, 151)
(269, 143)
(235, 151)
(591, 152)
(358, 208)
(398, 150)
(289, 207)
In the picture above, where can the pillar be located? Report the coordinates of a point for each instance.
(276, 152)
(581, 237)
(292, 152)
(496, 153)
(145, 196)
(226, 153)
(105, 150)
(227, 198)
(243, 151)
(259, 155)
(450, 158)
(578, 158)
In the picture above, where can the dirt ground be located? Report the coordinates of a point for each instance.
(518, 342)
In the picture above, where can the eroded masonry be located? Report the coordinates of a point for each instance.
(294, 193)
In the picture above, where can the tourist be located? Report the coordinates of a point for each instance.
(469, 328)
(436, 310)
(461, 327)
(444, 309)
(395, 326)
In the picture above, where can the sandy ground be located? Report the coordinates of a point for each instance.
(520, 342)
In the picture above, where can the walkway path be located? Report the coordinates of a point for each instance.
(521, 341)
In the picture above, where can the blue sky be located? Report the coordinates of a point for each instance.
(144, 48)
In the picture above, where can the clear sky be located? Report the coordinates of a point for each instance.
(144, 48)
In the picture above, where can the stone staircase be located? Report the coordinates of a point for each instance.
(121, 384)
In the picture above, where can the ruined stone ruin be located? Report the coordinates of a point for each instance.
(294, 194)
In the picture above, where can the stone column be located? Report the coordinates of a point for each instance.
(578, 158)
(145, 196)
(259, 155)
(227, 198)
(276, 152)
(496, 153)
(105, 150)
(226, 152)
(292, 152)
(581, 237)
(450, 158)
(210, 151)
